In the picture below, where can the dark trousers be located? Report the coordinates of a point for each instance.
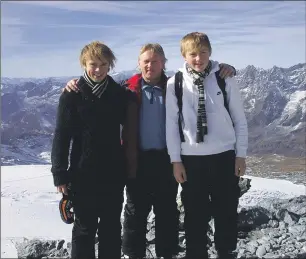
(211, 190)
(154, 186)
(97, 212)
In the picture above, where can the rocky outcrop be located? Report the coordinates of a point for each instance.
(275, 228)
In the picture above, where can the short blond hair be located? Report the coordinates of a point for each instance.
(97, 49)
(155, 47)
(194, 41)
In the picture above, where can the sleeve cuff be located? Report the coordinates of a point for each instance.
(241, 153)
(175, 158)
(60, 179)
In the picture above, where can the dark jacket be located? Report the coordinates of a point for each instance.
(92, 124)
(130, 132)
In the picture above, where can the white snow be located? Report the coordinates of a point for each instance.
(29, 203)
(296, 100)
(45, 123)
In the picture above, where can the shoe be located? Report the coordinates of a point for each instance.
(227, 255)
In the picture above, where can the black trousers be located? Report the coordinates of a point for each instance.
(211, 189)
(154, 186)
(99, 211)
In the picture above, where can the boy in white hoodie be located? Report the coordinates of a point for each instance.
(208, 156)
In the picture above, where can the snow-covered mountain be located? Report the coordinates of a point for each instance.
(275, 105)
(274, 100)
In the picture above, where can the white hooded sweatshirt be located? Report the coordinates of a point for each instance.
(222, 135)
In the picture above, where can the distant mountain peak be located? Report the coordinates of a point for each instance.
(274, 102)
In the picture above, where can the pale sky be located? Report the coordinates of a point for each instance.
(44, 38)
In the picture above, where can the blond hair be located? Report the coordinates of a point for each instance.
(155, 48)
(97, 49)
(194, 41)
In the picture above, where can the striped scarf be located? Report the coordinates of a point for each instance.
(97, 88)
(198, 80)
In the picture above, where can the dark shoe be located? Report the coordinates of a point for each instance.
(195, 257)
(226, 255)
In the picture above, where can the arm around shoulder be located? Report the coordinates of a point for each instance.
(237, 113)
(172, 129)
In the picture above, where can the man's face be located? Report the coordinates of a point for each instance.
(151, 65)
(198, 60)
(97, 69)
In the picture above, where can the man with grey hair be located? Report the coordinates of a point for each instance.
(150, 177)
(151, 181)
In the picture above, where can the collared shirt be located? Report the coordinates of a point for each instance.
(152, 118)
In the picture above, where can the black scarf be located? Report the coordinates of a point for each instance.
(198, 80)
(97, 88)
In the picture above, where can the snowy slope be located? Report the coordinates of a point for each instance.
(29, 203)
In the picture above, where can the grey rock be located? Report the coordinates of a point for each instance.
(60, 244)
(268, 247)
(275, 247)
(301, 255)
(261, 251)
(250, 218)
(296, 205)
(252, 247)
(242, 251)
(270, 255)
(273, 223)
(244, 185)
(283, 225)
(264, 240)
(35, 248)
(288, 217)
(301, 238)
(297, 230)
(302, 221)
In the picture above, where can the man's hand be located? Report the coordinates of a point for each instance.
(62, 189)
(71, 86)
(240, 166)
(179, 172)
(226, 71)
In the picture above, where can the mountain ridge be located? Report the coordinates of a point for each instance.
(274, 102)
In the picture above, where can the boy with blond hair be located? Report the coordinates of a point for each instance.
(207, 138)
(150, 180)
(90, 121)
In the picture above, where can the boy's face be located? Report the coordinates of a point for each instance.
(151, 65)
(97, 69)
(198, 59)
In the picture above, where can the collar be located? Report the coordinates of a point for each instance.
(135, 82)
(145, 85)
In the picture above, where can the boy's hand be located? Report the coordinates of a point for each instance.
(62, 189)
(226, 71)
(179, 172)
(240, 166)
(71, 86)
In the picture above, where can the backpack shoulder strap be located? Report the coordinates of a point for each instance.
(178, 87)
(222, 84)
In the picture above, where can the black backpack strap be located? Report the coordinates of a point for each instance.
(178, 87)
(221, 84)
